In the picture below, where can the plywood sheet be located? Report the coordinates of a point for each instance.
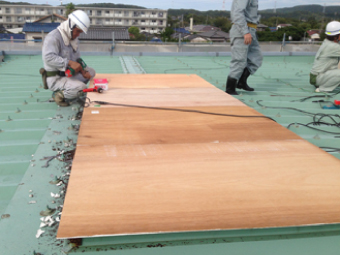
(140, 171)
(147, 126)
(135, 189)
(166, 97)
(138, 81)
(161, 90)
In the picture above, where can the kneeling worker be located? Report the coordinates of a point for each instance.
(325, 74)
(60, 52)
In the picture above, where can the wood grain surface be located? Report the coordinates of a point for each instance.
(139, 171)
(162, 90)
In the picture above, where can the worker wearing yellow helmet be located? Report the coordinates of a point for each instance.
(325, 74)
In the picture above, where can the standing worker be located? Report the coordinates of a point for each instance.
(60, 53)
(246, 56)
(325, 74)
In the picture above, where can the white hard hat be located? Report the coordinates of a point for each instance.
(81, 19)
(333, 28)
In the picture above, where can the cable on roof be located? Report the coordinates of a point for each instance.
(330, 149)
(318, 118)
(179, 110)
(312, 123)
(287, 108)
(326, 96)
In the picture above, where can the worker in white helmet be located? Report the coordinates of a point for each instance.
(60, 52)
(325, 75)
(246, 56)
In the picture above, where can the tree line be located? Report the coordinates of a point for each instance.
(302, 19)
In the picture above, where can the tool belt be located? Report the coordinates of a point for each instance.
(312, 79)
(45, 74)
(252, 25)
(54, 73)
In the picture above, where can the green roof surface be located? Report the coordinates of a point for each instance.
(33, 131)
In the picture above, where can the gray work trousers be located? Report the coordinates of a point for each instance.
(329, 80)
(243, 55)
(70, 86)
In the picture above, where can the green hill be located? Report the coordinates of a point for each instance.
(300, 11)
(110, 5)
(16, 3)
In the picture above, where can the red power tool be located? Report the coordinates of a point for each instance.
(95, 89)
(337, 102)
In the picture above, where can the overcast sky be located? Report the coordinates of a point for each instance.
(202, 5)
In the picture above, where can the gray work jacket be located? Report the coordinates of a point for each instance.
(327, 57)
(56, 54)
(242, 12)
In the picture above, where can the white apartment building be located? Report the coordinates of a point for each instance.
(148, 20)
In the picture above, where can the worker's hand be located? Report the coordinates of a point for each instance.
(247, 39)
(86, 74)
(75, 66)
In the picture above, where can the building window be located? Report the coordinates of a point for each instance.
(18, 10)
(28, 18)
(153, 13)
(153, 21)
(160, 14)
(37, 39)
(126, 13)
(91, 22)
(89, 12)
(0, 17)
(8, 10)
(49, 11)
(99, 13)
(27, 9)
(42, 10)
(107, 12)
(20, 19)
(8, 19)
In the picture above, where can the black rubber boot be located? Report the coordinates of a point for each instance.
(231, 86)
(242, 83)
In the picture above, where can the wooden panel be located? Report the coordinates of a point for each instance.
(161, 90)
(145, 126)
(179, 97)
(154, 171)
(135, 81)
(134, 189)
